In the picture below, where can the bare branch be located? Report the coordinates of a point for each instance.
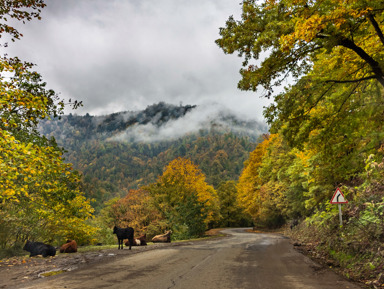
(352, 81)
(371, 18)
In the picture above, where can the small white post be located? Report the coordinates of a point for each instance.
(340, 216)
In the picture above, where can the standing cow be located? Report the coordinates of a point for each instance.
(124, 233)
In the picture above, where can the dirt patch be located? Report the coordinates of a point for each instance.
(17, 270)
(214, 232)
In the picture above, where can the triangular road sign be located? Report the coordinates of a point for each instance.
(338, 197)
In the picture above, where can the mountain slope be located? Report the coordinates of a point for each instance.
(126, 150)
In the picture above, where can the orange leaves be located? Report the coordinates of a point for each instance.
(21, 11)
(135, 210)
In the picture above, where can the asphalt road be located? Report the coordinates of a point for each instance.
(241, 260)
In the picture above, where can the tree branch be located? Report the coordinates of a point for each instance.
(371, 18)
(376, 69)
(350, 44)
(352, 81)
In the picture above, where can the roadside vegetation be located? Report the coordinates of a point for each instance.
(326, 127)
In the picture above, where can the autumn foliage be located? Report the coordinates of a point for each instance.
(326, 125)
(40, 195)
(184, 198)
(137, 210)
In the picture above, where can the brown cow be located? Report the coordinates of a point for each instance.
(140, 241)
(165, 238)
(69, 247)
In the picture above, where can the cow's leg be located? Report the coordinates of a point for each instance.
(130, 243)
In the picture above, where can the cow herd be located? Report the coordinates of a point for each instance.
(38, 248)
(128, 232)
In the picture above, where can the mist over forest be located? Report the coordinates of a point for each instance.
(126, 150)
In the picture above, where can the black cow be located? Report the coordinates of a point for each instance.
(38, 248)
(124, 233)
(294, 223)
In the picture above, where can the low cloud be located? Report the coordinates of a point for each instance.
(214, 116)
(125, 55)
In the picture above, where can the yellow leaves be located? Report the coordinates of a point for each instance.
(7, 193)
(182, 180)
(326, 19)
(304, 157)
(31, 179)
(249, 195)
(307, 29)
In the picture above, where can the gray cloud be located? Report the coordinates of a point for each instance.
(125, 55)
(212, 116)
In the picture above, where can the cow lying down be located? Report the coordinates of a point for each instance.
(38, 248)
(69, 247)
(140, 241)
(165, 238)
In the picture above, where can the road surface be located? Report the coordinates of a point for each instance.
(241, 260)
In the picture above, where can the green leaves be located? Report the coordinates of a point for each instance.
(184, 198)
(40, 195)
(282, 38)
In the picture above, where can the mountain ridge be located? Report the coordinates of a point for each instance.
(113, 155)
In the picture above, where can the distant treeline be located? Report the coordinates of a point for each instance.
(110, 168)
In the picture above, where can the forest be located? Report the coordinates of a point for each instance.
(112, 166)
(326, 127)
(75, 176)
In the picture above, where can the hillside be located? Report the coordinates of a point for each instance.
(125, 150)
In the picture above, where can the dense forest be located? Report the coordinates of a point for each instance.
(111, 166)
(326, 126)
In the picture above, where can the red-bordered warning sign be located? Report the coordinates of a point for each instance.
(338, 197)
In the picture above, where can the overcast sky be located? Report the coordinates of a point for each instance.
(120, 55)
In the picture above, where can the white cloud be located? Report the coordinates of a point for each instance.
(199, 118)
(125, 55)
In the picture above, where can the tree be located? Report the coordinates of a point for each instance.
(232, 215)
(285, 175)
(334, 51)
(185, 199)
(294, 35)
(40, 195)
(250, 197)
(21, 11)
(136, 210)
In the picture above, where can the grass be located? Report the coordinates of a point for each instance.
(52, 273)
(92, 248)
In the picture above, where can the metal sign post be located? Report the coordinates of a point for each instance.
(338, 198)
(340, 215)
